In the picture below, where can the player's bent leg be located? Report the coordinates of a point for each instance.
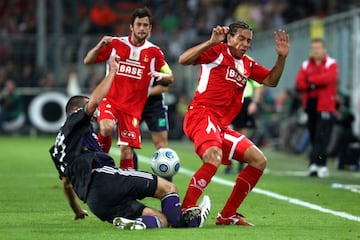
(164, 187)
(244, 183)
(255, 157)
(160, 139)
(127, 154)
(154, 218)
(105, 134)
(106, 127)
(211, 156)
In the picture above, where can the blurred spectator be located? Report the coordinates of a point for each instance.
(11, 105)
(102, 17)
(47, 80)
(27, 76)
(251, 12)
(93, 78)
(73, 86)
(268, 119)
(294, 137)
(343, 134)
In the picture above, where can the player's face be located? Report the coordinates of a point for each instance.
(140, 30)
(318, 50)
(240, 42)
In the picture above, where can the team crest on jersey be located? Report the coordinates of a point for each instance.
(146, 59)
(130, 69)
(235, 76)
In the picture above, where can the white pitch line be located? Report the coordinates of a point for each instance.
(295, 201)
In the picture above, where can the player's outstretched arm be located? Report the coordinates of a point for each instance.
(282, 42)
(91, 56)
(102, 89)
(73, 200)
(218, 35)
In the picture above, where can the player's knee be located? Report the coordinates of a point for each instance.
(213, 155)
(170, 188)
(164, 187)
(126, 152)
(256, 158)
(106, 128)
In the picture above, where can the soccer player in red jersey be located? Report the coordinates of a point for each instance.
(224, 71)
(141, 63)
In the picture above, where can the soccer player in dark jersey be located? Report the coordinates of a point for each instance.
(225, 69)
(112, 193)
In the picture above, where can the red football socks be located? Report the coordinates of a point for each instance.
(105, 142)
(198, 183)
(127, 163)
(244, 183)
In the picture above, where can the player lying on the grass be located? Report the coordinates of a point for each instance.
(112, 193)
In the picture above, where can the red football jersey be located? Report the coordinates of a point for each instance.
(132, 83)
(222, 80)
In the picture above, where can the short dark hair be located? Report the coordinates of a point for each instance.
(75, 101)
(318, 40)
(140, 13)
(233, 27)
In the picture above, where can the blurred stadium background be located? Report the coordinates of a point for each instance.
(43, 43)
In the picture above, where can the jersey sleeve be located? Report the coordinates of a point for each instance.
(259, 73)
(209, 55)
(160, 63)
(104, 53)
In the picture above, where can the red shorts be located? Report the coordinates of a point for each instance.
(204, 129)
(128, 129)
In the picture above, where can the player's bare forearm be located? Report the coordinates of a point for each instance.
(91, 56)
(73, 200)
(103, 87)
(190, 55)
(164, 78)
(273, 78)
(282, 43)
(218, 34)
(158, 89)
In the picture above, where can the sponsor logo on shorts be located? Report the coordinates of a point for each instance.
(128, 134)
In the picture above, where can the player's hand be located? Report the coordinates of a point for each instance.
(218, 34)
(157, 75)
(252, 108)
(104, 41)
(282, 41)
(81, 214)
(114, 62)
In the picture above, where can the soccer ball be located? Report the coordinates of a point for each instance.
(165, 162)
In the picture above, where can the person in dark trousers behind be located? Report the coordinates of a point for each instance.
(317, 81)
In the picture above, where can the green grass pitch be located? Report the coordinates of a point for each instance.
(284, 205)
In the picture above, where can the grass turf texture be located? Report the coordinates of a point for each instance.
(33, 206)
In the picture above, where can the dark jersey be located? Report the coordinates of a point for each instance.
(155, 112)
(76, 152)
